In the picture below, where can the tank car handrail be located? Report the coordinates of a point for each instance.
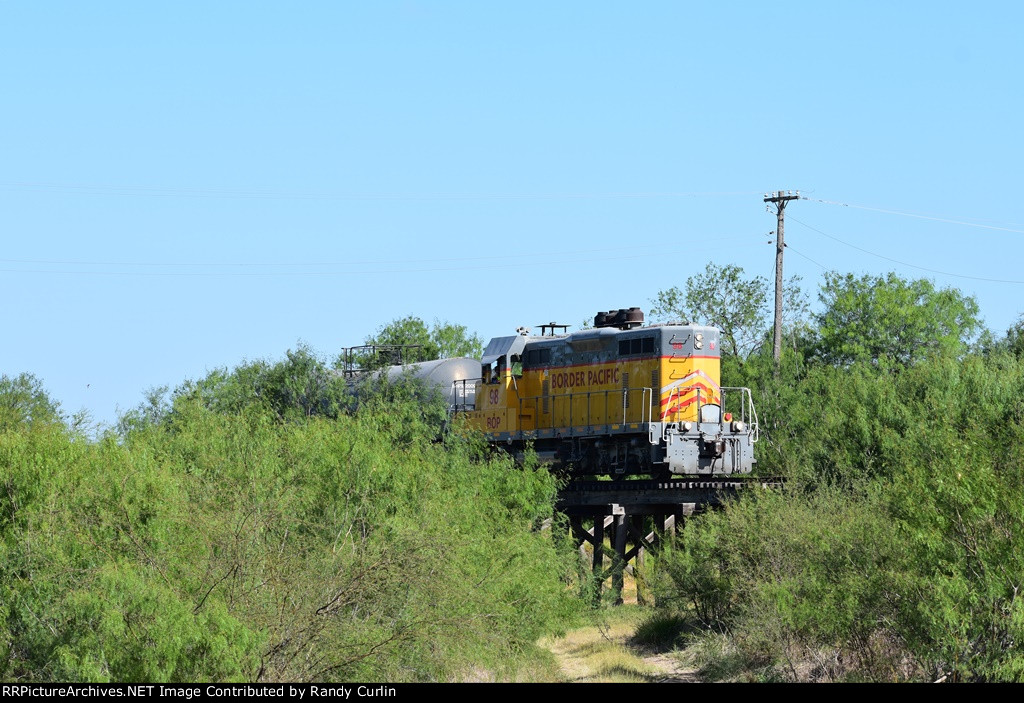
(463, 406)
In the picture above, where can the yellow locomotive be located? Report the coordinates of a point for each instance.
(620, 398)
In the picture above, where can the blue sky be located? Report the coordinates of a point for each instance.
(186, 185)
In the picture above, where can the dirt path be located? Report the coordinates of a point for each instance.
(672, 670)
(605, 655)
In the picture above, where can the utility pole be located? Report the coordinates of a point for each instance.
(779, 198)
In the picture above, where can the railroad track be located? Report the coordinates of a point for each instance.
(654, 496)
(730, 484)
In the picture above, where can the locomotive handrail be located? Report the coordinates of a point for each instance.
(748, 413)
(460, 393)
(746, 401)
(555, 399)
(677, 395)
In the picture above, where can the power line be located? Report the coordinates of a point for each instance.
(919, 216)
(190, 192)
(79, 262)
(211, 274)
(531, 255)
(790, 247)
(904, 263)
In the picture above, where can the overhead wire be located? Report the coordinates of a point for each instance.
(920, 216)
(775, 265)
(369, 262)
(190, 192)
(162, 191)
(904, 263)
(795, 251)
(534, 262)
(532, 256)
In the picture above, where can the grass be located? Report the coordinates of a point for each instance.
(537, 665)
(641, 644)
(604, 650)
(662, 631)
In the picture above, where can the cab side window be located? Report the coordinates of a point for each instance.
(537, 357)
(636, 346)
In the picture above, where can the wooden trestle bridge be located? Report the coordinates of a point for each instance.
(636, 516)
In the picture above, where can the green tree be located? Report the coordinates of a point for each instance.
(221, 544)
(739, 306)
(897, 548)
(442, 340)
(299, 386)
(888, 319)
(151, 411)
(23, 400)
(1014, 340)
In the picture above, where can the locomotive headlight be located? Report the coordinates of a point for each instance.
(698, 341)
(738, 426)
(687, 426)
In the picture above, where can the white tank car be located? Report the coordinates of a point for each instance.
(452, 377)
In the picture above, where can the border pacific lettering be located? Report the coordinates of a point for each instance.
(573, 379)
